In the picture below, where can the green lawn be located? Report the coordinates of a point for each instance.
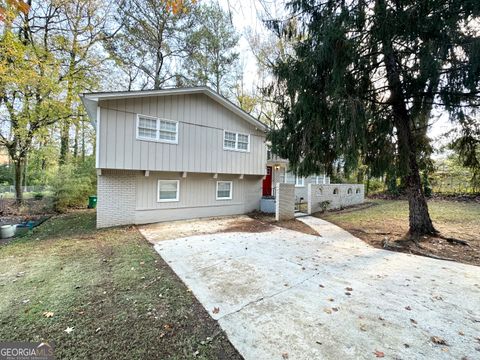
(110, 286)
(389, 219)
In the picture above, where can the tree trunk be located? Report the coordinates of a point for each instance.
(75, 141)
(64, 141)
(419, 218)
(420, 222)
(18, 180)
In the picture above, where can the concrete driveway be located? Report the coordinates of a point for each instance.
(283, 294)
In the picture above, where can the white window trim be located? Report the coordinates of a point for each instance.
(231, 191)
(157, 138)
(168, 200)
(236, 141)
(298, 183)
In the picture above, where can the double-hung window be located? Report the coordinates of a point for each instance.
(168, 190)
(224, 190)
(155, 129)
(236, 141)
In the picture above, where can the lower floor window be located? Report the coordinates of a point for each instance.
(224, 190)
(168, 190)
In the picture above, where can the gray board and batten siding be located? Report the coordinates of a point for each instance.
(201, 125)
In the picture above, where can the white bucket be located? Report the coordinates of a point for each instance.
(7, 231)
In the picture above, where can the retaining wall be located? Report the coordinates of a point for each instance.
(337, 195)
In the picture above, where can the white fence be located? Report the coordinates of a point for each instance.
(333, 196)
(33, 188)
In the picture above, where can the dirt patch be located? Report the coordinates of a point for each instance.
(395, 238)
(384, 224)
(255, 222)
(249, 225)
(30, 207)
(292, 224)
(183, 228)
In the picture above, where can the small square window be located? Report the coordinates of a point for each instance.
(168, 190)
(224, 190)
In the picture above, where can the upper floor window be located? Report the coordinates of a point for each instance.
(236, 141)
(155, 129)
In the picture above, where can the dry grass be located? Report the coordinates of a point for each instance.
(110, 286)
(388, 220)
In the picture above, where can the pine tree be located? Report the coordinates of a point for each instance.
(212, 59)
(364, 78)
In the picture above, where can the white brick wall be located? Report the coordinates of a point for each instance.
(285, 201)
(320, 193)
(116, 191)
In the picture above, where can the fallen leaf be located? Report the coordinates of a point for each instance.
(379, 354)
(48, 314)
(413, 321)
(349, 289)
(328, 311)
(216, 310)
(285, 356)
(438, 340)
(168, 327)
(461, 333)
(335, 309)
(363, 327)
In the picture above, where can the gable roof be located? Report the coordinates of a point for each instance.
(90, 100)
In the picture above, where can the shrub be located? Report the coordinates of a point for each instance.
(73, 185)
(38, 196)
(374, 186)
(324, 205)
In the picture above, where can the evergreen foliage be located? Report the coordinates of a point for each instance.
(364, 79)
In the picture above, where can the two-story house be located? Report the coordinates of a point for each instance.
(174, 154)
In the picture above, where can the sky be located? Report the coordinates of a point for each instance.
(247, 16)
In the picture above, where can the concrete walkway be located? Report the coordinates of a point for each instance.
(285, 294)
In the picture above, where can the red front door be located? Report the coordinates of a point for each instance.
(267, 183)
